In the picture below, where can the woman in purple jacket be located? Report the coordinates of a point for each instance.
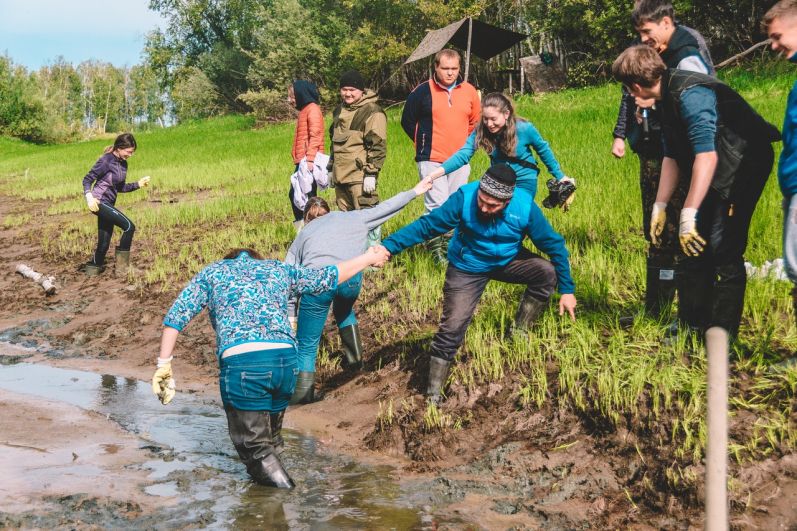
(100, 186)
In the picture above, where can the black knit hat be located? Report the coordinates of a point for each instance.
(499, 181)
(352, 78)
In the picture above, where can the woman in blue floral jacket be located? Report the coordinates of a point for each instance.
(247, 299)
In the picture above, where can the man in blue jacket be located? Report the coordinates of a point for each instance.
(780, 23)
(490, 218)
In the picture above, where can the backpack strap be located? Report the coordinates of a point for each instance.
(524, 163)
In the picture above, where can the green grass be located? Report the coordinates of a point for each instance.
(219, 184)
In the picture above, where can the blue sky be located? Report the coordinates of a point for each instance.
(34, 32)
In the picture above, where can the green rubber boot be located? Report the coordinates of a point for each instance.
(352, 345)
(122, 265)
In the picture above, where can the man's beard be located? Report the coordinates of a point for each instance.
(485, 217)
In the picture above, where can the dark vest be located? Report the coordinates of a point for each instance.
(741, 132)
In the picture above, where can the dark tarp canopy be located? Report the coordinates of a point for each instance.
(481, 39)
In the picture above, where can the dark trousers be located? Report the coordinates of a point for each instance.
(109, 217)
(462, 291)
(298, 214)
(711, 286)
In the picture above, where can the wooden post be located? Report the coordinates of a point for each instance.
(467, 54)
(717, 447)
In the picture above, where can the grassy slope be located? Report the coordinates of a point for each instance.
(218, 184)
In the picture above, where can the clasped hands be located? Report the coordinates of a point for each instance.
(379, 255)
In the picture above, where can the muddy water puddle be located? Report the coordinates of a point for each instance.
(194, 477)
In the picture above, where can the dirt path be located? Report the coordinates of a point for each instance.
(505, 468)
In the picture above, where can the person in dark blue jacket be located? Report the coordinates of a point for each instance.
(780, 23)
(490, 218)
(102, 183)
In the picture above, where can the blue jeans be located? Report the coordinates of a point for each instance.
(313, 310)
(263, 380)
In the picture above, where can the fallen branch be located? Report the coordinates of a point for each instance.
(47, 283)
(738, 56)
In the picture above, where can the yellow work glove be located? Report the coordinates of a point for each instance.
(658, 219)
(143, 182)
(569, 200)
(94, 205)
(692, 243)
(162, 381)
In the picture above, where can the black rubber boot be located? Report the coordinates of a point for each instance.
(275, 419)
(269, 472)
(727, 298)
(305, 391)
(659, 287)
(253, 438)
(694, 297)
(438, 247)
(122, 265)
(352, 345)
(528, 311)
(438, 374)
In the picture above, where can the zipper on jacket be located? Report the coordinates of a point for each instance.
(423, 142)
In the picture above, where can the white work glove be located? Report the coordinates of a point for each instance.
(94, 205)
(294, 323)
(162, 382)
(369, 184)
(143, 182)
(692, 243)
(658, 218)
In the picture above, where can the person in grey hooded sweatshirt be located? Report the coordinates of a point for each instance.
(326, 237)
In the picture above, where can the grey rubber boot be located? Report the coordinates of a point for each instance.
(275, 419)
(270, 473)
(352, 345)
(528, 311)
(122, 265)
(304, 391)
(438, 374)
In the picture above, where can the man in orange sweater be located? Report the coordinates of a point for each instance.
(438, 116)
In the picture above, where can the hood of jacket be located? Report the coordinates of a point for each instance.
(369, 96)
(305, 92)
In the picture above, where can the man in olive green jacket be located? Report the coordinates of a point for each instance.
(358, 133)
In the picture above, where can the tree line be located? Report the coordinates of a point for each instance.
(238, 56)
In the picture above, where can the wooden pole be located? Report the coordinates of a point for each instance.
(467, 54)
(717, 451)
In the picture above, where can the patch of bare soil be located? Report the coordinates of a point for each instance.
(56, 456)
(496, 463)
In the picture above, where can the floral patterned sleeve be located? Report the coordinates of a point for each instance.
(306, 280)
(189, 303)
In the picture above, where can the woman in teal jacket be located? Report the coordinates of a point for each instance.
(508, 140)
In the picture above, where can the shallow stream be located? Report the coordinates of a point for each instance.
(194, 463)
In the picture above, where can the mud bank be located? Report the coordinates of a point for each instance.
(506, 467)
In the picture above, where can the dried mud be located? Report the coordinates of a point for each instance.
(503, 467)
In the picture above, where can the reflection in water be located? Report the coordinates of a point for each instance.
(196, 462)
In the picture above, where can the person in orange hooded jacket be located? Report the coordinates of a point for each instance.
(309, 137)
